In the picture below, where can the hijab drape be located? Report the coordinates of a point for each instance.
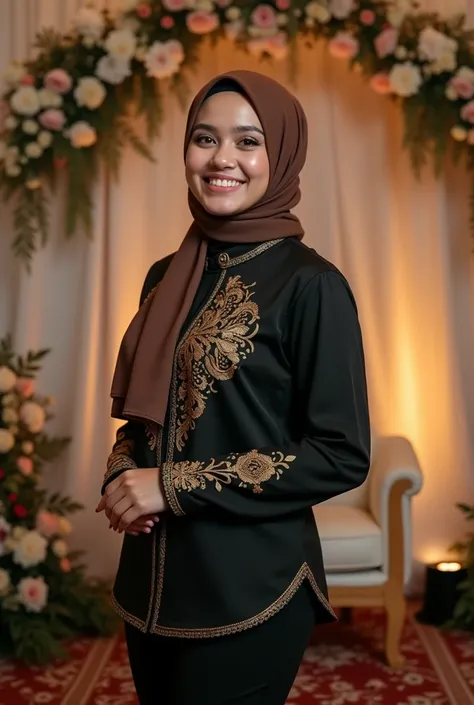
(141, 383)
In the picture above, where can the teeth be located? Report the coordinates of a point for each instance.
(224, 183)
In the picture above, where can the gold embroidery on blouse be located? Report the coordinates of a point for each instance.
(250, 469)
(121, 457)
(212, 350)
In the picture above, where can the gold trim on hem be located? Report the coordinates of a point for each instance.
(126, 616)
(206, 633)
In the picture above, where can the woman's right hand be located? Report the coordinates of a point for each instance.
(143, 525)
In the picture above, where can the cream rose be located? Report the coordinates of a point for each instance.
(59, 548)
(33, 593)
(44, 139)
(121, 44)
(89, 23)
(14, 73)
(25, 101)
(33, 150)
(30, 127)
(315, 11)
(5, 582)
(33, 416)
(112, 69)
(405, 79)
(30, 550)
(90, 92)
(64, 526)
(7, 379)
(7, 441)
(49, 99)
(341, 9)
(433, 44)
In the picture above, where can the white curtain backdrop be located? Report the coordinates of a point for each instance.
(403, 245)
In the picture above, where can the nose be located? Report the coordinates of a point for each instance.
(224, 157)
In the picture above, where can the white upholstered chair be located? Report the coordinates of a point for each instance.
(366, 537)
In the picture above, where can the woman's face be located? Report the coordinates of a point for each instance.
(227, 166)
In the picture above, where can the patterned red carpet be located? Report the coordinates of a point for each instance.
(344, 665)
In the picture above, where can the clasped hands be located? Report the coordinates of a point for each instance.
(134, 500)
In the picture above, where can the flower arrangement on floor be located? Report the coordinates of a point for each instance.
(69, 108)
(44, 594)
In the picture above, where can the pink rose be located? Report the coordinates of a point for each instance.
(283, 5)
(264, 17)
(52, 119)
(467, 113)
(386, 42)
(174, 5)
(381, 83)
(167, 22)
(65, 565)
(58, 81)
(47, 523)
(25, 386)
(28, 80)
(24, 465)
(202, 22)
(343, 46)
(463, 87)
(367, 17)
(144, 11)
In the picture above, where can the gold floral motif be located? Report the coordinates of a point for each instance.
(212, 350)
(250, 469)
(151, 432)
(121, 457)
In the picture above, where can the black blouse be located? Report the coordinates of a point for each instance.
(267, 417)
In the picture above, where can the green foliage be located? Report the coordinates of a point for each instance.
(463, 617)
(67, 603)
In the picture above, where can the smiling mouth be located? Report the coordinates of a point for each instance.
(221, 185)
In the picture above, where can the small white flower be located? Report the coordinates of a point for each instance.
(31, 127)
(401, 52)
(341, 9)
(121, 44)
(161, 61)
(112, 69)
(9, 415)
(25, 101)
(12, 170)
(459, 133)
(30, 550)
(33, 416)
(33, 593)
(50, 99)
(7, 440)
(90, 92)
(10, 122)
(7, 376)
(14, 73)
(59, 548)
(81, 134)
(44, 139)
(233, 13)
(27, 447)
(405, 79)
(89, 23)
(33, 150)
(33, 184)
(5, 582)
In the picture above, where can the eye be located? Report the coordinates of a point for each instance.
(249, 142)
(203, 140)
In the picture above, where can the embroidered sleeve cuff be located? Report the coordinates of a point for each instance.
(116, 464)
(169, 489)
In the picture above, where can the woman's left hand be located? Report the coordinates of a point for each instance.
(133, 494)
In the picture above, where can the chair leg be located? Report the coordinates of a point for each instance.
(396, 609)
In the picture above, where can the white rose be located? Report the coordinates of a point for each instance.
(44, 139)
(30, 549)
(50, 99)
(59, 548)
(446, 62)
(4, 582)
(33, 150)
(14, 73)
(7, 441)
(405, 79)
(27, 447)
(121, 43)
(113, 70)
(31, 127)
(161, 60)
(7, 376)
(315, 11)
(397, 12)
(25, 101)
(64, 526)
(90, 92)
(341, 9)
(82, 134)
(9, 415)
(89, 23)
(33, 593)
(432, 45)
(33, 416)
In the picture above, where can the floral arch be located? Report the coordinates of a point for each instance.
(69, 108)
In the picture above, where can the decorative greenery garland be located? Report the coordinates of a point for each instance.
(70, 107)
(45, 595)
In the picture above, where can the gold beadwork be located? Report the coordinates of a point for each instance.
(223, 260)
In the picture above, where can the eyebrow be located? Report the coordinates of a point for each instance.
(238, 128)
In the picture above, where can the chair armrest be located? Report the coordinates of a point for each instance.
(395, 476)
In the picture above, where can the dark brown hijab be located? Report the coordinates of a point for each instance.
(141, 384)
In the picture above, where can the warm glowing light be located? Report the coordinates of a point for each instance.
(449, 567)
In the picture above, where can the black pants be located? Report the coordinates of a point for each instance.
(254, 667)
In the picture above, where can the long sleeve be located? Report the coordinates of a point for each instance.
(330, 451)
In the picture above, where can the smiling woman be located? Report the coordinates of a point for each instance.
(241, 380)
